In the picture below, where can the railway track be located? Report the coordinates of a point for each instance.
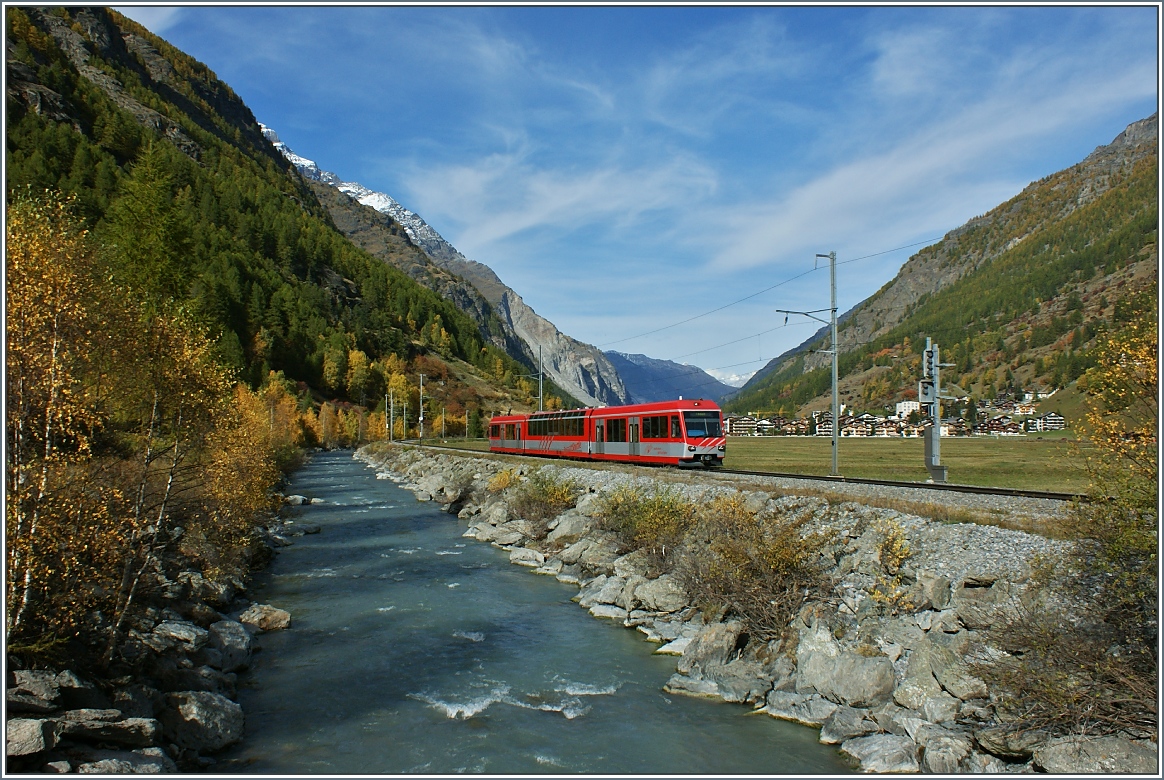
(946, 487)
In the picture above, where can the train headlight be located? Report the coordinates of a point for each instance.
(690, 448)
(722, 447)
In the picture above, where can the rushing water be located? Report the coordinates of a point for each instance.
(412, 649)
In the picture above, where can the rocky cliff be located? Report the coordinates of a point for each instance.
(370, 218)
(649, 379)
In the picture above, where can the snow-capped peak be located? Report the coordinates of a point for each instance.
(417, 229)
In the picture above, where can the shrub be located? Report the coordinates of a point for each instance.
(541, 497)
(760, 570)
(893, 553)
(502, 480)
(655, 522)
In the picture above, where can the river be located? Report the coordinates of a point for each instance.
(413, 650)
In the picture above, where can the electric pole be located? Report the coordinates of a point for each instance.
(832, 323)
(541, 374)
(420, 399)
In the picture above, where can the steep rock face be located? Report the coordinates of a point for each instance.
(579, 368)
(379, 224)
(648, 379)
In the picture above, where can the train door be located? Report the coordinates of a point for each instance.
(599, 436)
(633, 437)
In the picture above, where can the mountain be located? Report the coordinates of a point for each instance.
(649, 379)
(1014, 297)
(579, 369)
(192, 207)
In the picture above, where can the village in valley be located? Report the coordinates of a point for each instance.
(1003, 416)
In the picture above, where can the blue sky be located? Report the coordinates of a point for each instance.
(625, 168)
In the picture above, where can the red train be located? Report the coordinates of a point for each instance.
(675, 433)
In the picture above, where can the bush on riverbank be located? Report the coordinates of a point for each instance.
(762, 571)
(542, 496)
(655, 522)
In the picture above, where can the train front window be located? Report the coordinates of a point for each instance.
(702, 424)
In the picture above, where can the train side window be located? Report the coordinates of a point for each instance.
(676, 432)
(616, 430)
(494, 431)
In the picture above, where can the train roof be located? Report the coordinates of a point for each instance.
(680, 404)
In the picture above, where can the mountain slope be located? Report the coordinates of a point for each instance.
(649, 379)
(195, 208)
(581, 370)
(1014, 296)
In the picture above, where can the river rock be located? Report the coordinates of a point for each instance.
(608, 611)
(103, 726)
(940, 708)
(714, 645)
(883, 753)
(233, 643)
(36, 692)
(843, 676)
(633, 564)
(585, 597)
(808, 710)
(524, 556)
(953, 675)
(201, 721)
(627, 599)
(1095, 755)
(182, 635)
(692, 686)
(149, 760)
(846, 723)
(600, 556)
(508, 534)
(664, 594)
(944, 754)
(1010, 745)
(26, 736)
(573, 553)
(295, 500)
(935, 590)
(265, 617)
(675, 646)
(570, 528)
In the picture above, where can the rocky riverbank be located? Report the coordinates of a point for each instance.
(879, 664)
(167, 703)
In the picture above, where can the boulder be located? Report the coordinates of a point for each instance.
(265, 617)
(953, 675)
(882, 753)
(26, 736)
(608, 611)
(295, 500)
(808, 710)
(675, 646)
(1095, 755)
(846, 723)
(201, 721)
(1010, 745)
(148, 761)
(714, 645)
(586, 595)
(92, 726)
(573, 553)
(692, 686)
(600, 556)
(507, 534)
(36, 692)
(662, 595)
(177, 634)
(524, 556)
(627, 599)
(137, 701)
(843, 676)
(935, 589)
(233, 643)
(940, 708)
(608, 593)
(570, 528)
(944, 753)
(740, 681)
(632, 564)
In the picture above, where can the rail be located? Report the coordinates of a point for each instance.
(943, 486)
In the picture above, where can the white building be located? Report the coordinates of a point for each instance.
(905, 408)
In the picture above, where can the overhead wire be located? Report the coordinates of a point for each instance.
(761, 292)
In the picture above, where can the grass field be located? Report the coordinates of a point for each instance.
(1052, 462)
(1049, 461)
